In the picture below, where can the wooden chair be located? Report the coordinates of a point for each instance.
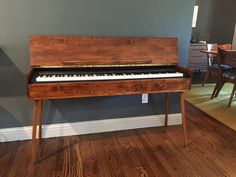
(212, 64)
(227, 58)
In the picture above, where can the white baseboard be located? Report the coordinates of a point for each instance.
(88, 127)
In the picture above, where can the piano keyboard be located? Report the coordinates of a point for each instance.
(100, 76)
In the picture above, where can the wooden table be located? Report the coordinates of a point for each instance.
(213, 52)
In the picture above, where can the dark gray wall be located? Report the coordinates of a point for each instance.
(21, 18)
(217, 18)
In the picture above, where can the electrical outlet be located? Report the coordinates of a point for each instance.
(144, 98)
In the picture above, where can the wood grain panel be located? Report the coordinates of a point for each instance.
(106, 88)
(87, 50)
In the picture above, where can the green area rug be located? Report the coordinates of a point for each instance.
(217, 108)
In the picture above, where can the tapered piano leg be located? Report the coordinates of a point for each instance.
(34, 132)
(183, 117)
(37, 119)
(167, 108)
(40, 118)
(34, 126)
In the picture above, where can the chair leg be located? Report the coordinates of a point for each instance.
(232, 95)
(215, 89)
(206, 77)
(219, 88)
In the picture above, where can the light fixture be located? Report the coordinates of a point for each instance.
(194, 21)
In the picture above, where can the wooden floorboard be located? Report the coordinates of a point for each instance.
(149, 152)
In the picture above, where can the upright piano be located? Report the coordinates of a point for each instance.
(88, 66)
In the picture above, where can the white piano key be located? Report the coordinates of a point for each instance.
(94, 77)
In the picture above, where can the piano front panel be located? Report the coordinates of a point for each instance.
(106, 88)
(65, 51)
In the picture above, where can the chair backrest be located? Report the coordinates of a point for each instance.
(227, 57)
(221, 48)
(224, 46)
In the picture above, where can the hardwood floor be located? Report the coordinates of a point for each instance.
(152, 152)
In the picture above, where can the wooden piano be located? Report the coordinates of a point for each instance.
(83, 66)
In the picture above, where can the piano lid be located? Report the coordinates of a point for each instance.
(70, 51)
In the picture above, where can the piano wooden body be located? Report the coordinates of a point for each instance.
(106, 66)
